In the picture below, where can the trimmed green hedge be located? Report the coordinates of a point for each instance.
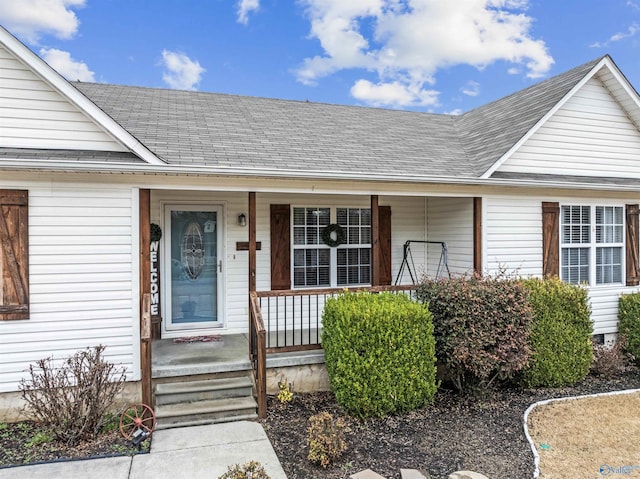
(379, 353)
(629, 327)
(560, 335)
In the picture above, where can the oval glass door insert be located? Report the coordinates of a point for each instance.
(193, 251)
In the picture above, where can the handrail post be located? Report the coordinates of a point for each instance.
(261, 380)
(258, 352)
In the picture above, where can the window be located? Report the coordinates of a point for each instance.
(592, 244)
(317, 265)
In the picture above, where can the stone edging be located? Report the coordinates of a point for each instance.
(536, 457)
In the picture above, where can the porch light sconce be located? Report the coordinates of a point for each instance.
(242, 219)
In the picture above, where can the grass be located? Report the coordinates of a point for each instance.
(588, 437)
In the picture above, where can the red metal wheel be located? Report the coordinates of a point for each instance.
(137, 417)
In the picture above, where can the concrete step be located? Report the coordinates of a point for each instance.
(205, 412)
(192, 391)
(204, 422)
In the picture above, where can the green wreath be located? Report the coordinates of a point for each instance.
(327, 235)
(155, 233)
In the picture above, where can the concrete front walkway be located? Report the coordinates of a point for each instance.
(197, 452)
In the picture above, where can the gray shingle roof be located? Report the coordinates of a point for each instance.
(491, 130)
(194, 128)
(218, 130)
(68, 155)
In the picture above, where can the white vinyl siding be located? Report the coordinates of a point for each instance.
(512, 236)
(513, 243)
(590, 135)
(450, 220)
(35, 115)
(81, 272)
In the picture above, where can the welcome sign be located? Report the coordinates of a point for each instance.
(155, 281)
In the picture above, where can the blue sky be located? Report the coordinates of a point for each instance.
(444, 56)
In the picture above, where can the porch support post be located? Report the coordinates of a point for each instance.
(145, 294)
(375, 242)
(257, 335)
(252, 241)
(477, 235)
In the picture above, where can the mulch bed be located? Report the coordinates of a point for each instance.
(28, 443)
(459, 432)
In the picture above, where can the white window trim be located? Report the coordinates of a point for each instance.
(592, 245)
(333, 255)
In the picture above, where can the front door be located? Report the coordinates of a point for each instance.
(193, 249)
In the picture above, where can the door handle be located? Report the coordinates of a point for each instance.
(220, 266)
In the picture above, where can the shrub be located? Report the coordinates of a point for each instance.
(248, 470)
(326, 438)
(609, 359)
(73, 399)
(560, 334)
(629, 323)
(379, 353)
(285, 393)
(481, 327)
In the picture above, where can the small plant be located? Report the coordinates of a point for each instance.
(248, 470)
(40, 438)
(73, 399)
(111, 422)
(609, 359)
(285, 393)
(326, 438)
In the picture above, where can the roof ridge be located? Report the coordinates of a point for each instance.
(585, 66)
(80, 85)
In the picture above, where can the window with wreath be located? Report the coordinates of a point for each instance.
(331, 246)
(592, 244)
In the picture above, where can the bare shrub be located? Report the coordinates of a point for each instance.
(248, 470)
(610, 359)
(326, 438)
(73, 399)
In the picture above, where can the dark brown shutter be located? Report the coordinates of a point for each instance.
(14, 254)
(384, 225)
(280, 247)
(477, 235)
(632, 245)
(550, 239)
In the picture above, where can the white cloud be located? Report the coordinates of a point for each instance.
(394, 94)
(406, 42)
(29, 19)
(631, 31)
(69, 68)
(244, 8)
(181, 73)
(472, 88)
